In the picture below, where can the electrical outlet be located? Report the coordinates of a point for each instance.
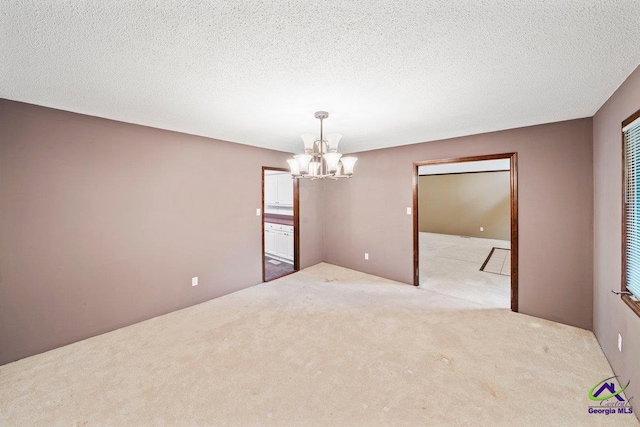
(481, 228)
(366, 255)
(258, 212)
(194, 281)
(620, 342)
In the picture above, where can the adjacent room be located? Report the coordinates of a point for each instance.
(329, 213)
(464, 225)
(279, 223)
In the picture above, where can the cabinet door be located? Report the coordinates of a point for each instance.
(285, 189)
(270, 242)
(289, 237)
(271, 189)
(279, 244)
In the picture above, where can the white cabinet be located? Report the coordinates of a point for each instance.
(278, 189)
(289, 246)
(281, 245)
(278, 241)
(270, 189)
(285, 190)
(270, 241)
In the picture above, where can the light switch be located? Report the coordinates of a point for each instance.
(408, 211)
(258, 212)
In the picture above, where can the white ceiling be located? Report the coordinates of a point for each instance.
(389, 72)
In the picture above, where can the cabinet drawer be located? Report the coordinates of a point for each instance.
(278, 227)
(286, 228)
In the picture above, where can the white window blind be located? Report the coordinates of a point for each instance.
(632, 203)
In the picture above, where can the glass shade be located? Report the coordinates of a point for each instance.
(303, 162)
(332, 160)
(294, 166)
(339, 168)
(309, 139)
(313, 168)
(347, 165)
(333, 139)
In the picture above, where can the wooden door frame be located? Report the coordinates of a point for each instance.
(513, 158)
(296, 223)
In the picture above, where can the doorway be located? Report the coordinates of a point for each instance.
(473, 233)
(280, 224)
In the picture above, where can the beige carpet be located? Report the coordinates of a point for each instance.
(323, 347)
(450, 265)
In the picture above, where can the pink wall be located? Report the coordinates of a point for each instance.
(368, 213)
(103, 224)
(611, 315)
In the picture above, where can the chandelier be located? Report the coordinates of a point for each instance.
(321, 158)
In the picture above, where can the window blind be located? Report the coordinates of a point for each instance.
(632, 203)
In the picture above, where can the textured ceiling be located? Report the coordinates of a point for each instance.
(389, 72)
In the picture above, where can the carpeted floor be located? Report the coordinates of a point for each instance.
(323, 347)
(450, 265)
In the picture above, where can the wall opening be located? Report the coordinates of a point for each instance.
(465, 228)
(280, 224)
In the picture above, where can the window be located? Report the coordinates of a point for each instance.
(631, 211)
